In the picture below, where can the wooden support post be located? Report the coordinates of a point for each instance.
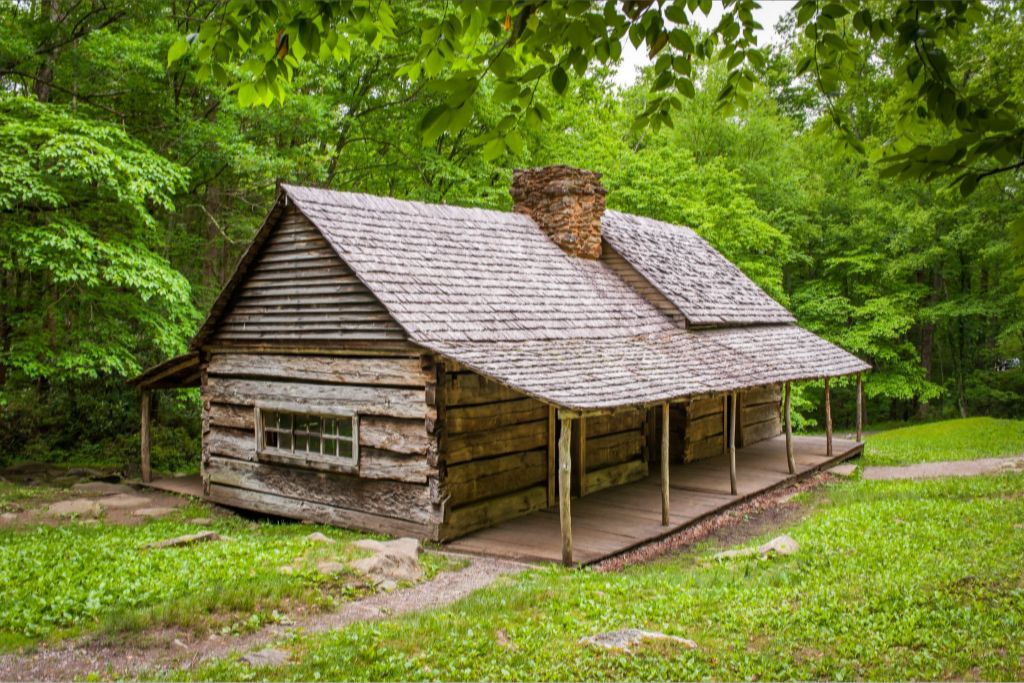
(828, 420)
(860, 408)
(725, 424)
(564, 488)
(144, 439)
(732, 443)
(664, 464)
(552, 456)
(583, 456)
(790, 459)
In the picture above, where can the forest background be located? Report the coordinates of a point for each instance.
(129, 187)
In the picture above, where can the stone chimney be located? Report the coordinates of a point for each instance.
(567, 203)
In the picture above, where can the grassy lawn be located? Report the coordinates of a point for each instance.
(894, 580)
(967, 439)
(58, 581)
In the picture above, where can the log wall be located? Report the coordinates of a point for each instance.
(297, 290)
(494, 452)
(396, 488)
(760, 415)
(615, 452)
(705, 431)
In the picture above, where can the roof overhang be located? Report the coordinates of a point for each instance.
(180, 372)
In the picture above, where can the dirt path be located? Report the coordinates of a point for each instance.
(73, 660)
(953, 468)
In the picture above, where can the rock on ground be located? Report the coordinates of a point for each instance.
(187, 539)
(101, 488)
(628, 638)
(317, 537)
(780, 545)
(153, 512)
(844, 470)
(329, 567)
(392, 561)
(268, 656)
(201, 521)
(83, 507)
(124, 500)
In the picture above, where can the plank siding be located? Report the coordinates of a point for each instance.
(297, 289)
(760, 415)
(704, 434)
(495, 452)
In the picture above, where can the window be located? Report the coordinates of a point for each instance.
(327, 438)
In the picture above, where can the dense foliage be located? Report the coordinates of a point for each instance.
(129, 187)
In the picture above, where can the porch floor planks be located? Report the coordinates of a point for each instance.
(189, 485)
(613, 520)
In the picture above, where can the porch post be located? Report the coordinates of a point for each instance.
(565, 488)
(828, 420)
(732, 443)
(860, 408)
(147, 401)
(790, 459)
(664, 464)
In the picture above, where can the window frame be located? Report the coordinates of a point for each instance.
(320, 461)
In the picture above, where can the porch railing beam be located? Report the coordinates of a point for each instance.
(565, 487)
(664, 464)
(732, 442)
(790, 458)
(828, 420)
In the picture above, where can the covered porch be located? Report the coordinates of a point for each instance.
(616, 519)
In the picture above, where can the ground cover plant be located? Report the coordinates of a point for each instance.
(966, 439)
(77, 577)
(894, 580)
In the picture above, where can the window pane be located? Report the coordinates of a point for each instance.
(330, 426)
(314, 444)
(345, 449)
(345, 426)
(330, 447)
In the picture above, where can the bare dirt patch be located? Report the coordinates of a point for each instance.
(954, 468)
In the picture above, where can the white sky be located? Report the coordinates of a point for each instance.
(767, 16)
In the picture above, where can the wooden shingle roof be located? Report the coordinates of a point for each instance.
(490, 290)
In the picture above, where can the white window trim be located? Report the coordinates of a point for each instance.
(332, 463)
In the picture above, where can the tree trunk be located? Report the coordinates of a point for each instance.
(44, 76)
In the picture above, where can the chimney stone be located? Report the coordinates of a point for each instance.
(567, 203)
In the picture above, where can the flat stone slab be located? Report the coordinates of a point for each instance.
(82, 507)
(329, 568)
(101, 488)
(121, 501)
(317, 537)
(844, 470)
(409, 547)
(627, 639)
(268, 656)
(780, 545)
(153, 512)
(953, 468)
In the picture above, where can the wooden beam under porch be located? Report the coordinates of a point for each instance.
(614, 520)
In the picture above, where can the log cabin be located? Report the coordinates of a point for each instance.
(431, 370)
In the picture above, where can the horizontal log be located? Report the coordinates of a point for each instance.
(768, 394)
(394, 434)
(475, 480)
(759, 431)
(396, 499)
(475, 418)
(332, 262)
(760, 412)
(323, 514)
(619, 421)
(470, 388)
(489, 512)
(392, 401)
(380, 464)
(333, 271)
(704, 427)
(705, 406)
(705, 448)
(231, 443)
(616, 475)
(520, 437)
(233, 416)
(611, 449)
(297, 253)
(368, 370)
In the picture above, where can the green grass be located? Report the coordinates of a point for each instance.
(58, 581)
(894, 580)
(966, 439)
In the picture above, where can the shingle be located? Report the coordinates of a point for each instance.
(490, 290)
